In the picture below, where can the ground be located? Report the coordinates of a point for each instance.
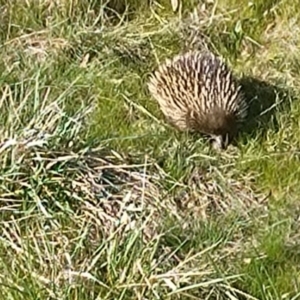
(101, 198)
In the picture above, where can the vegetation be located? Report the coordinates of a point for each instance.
(101, 199)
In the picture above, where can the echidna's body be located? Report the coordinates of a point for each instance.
(197, 92)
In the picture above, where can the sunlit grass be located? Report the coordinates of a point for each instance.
(101, 198)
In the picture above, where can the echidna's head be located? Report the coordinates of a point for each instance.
(220, 125)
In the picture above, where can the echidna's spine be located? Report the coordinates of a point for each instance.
(196, 83)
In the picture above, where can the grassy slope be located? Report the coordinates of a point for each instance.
(151, 213)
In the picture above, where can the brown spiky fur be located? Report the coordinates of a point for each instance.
(196, 91)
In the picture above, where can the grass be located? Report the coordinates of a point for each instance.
(101, 199)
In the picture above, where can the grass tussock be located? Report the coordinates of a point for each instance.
(101, 199)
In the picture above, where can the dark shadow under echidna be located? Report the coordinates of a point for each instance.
(197, 92)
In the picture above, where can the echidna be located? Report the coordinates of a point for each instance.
(197, 92)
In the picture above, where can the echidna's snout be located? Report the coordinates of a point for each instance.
(220, 142)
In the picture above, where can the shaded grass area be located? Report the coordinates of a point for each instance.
(101, 199)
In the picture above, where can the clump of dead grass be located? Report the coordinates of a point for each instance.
(36, 46)
(212, 192)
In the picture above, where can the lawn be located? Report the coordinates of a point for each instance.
(101, 198)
